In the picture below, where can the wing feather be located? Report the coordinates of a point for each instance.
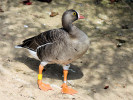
(43, 39)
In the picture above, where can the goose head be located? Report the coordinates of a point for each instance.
(69, 17)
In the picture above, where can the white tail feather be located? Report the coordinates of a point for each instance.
(18, 46)
(33, 53)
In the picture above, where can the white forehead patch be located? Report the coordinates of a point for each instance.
(78, 14)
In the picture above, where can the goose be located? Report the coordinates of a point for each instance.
(61, 46)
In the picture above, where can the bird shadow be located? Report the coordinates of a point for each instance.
(53, 71)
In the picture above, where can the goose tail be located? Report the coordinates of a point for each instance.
(18, 46)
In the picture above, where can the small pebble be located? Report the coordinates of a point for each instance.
(119, 45)
(48, 13)
(97, 27)
(26, 26)
(99, 22)
(54, 14)
(106, 87)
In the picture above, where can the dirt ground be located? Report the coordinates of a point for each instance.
(107, 64)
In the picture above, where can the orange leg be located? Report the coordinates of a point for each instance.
(65, 88)
(42, 85)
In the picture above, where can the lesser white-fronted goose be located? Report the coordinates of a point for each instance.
(60, 46)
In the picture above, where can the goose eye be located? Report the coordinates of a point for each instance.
(74, 13)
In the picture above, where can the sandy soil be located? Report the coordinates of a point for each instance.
(103, 65)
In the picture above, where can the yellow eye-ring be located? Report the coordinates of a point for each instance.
(74, 13)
